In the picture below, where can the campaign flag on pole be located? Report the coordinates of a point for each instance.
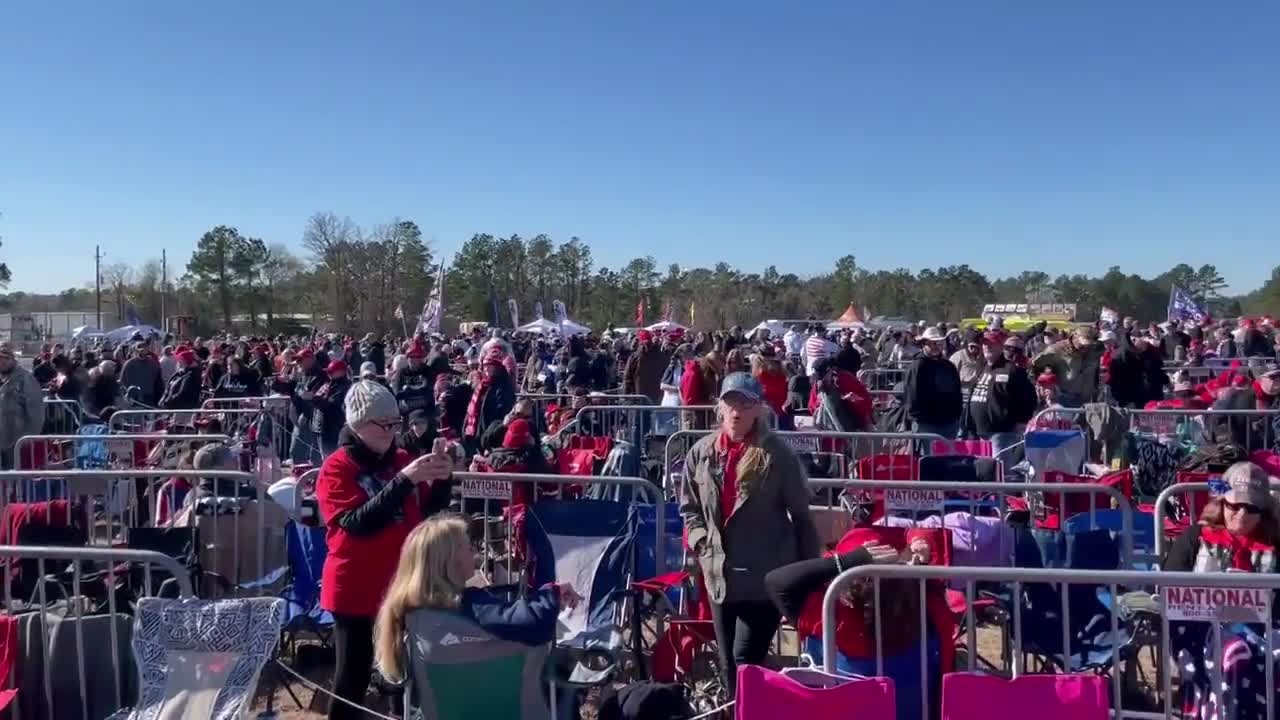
(691, 320)
(666, 312)
(131, 315)
(1184, 307)
(514, 309)
(399, 312)
(537, 310)
(433, 310)
(640, 313)
(1109, 316)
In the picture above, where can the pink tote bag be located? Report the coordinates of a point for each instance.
(971, 696)
(767, 695)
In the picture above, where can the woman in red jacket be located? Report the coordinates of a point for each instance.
(768, 372)
(698, 386)
(371, 496)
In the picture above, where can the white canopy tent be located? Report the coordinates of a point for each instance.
(85, 332)
(666, 326)
(776, 328)
(122, 334)
(543, 326)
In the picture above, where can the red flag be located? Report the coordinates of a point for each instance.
(640, 313)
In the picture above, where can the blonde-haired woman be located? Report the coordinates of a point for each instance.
(746, 510)
(436, 561)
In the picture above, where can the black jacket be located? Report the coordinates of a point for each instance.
(183, 390)
(101, 392)
(243, 384)
(376, 353)
(415, 389)
(1002, 399)
(933, 391)
(331, 414)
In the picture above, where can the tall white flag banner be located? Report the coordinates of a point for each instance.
(561, 314)
(515, 312)
(537, 310)
(433, 311)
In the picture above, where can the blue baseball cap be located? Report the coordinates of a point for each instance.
(742, 384)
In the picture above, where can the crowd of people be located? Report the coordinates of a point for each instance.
(387, 419)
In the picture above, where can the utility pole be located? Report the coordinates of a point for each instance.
(164, 290)
(97, 280)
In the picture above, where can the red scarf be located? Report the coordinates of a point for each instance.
(1241, 547)
(730, 454)
(472, 426)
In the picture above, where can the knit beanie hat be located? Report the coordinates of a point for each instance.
(368, 400)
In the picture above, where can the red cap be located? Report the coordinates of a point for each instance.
(518, 434)
(1048, 378)
(305, 353)
(186, 357)
(336, 366)
(416, 351)
(645, 336)
(182, 349)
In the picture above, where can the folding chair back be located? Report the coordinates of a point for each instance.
(458, 671)
(200, 660)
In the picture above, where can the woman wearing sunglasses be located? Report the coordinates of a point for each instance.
(1238, 531)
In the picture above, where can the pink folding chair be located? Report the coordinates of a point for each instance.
(764, 694)
(971, 696)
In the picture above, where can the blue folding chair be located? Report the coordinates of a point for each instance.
(591, 545)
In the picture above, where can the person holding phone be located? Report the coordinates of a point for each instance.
(371, 496)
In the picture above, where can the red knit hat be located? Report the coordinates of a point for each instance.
(518, 434)
(1048, 378)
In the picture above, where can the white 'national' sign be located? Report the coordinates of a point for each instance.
(486, 489)
(1207, 604)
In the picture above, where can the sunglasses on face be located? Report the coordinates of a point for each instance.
(1243, 507)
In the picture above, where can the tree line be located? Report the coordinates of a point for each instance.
(349, 278)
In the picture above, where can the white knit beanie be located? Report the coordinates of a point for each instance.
(368, 400)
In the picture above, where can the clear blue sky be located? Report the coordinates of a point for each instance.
(1010, 135)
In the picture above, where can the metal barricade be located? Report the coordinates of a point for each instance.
(853, 446)
(927, 496)
(542, 403)
(1177, 596)
(110, 502)
(1194, 374)
(62, 417)
(76, 615)
(475, 485)
(116, 448)
(1250, 429)
(881, 379)
(235, 423)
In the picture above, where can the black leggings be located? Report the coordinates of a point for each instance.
(353, 648)
(744, 630)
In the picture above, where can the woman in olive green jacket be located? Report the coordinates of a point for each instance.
(746, 510)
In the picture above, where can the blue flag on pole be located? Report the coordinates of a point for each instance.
(1183, 307)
